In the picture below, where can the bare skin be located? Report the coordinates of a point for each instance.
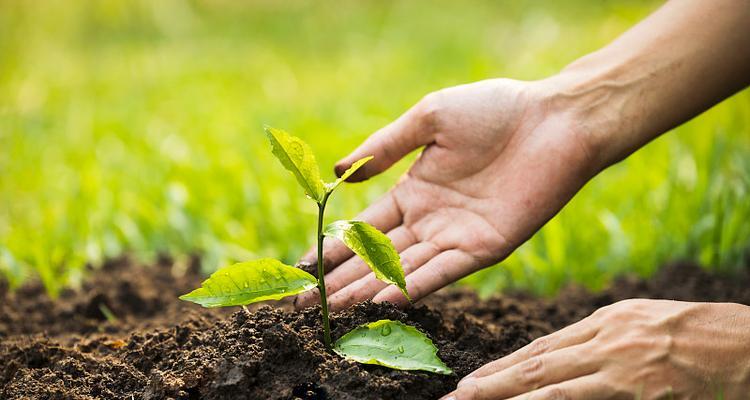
(480, 167)
(645, 349)
(502, 157)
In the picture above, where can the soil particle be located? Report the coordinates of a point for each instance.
(161, 348)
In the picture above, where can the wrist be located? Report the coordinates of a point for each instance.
(601, 104)
(742, 321)
(731, 346)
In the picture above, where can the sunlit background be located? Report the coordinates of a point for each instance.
(136, 127)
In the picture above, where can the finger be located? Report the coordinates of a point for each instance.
(383, 214)
(539, 371)
(334, 253)
(575, 334)
(445, 268)
(368, 285)
(352, 269)
(589, 387)
(364, 285)
(401, 237)
(390, 144)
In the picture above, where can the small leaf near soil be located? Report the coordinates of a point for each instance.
(297, 157)
(374, 247)
(330, 187)
(391, 344)
(250, 282)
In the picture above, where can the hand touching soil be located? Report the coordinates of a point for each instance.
(501, 157)
(645, 349)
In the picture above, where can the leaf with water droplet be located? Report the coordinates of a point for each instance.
(403, 347)
(244, 283)
(297, 157)
(374, 247)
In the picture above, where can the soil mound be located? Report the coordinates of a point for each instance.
(157, 347)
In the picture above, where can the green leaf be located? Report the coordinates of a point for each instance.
(250, 282)
(349, 172)
(391, 344)
(374, 247)
(297, 157)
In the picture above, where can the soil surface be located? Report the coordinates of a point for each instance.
(124, 335)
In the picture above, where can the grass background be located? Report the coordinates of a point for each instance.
(137, 127)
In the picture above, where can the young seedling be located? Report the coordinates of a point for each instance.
(385, 342)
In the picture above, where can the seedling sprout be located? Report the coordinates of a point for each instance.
(388, 343)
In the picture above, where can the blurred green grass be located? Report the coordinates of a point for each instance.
(137, 127)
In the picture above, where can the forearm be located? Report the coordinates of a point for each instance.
(681, 60)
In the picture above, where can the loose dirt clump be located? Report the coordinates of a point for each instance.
(161, 348)
(138, 297)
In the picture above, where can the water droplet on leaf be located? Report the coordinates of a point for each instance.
(385, 330)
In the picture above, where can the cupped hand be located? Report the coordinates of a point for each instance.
(634, 349)
(498, 162)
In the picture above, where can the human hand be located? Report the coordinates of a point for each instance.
(498, 162)
(501, 157)
(634, 349)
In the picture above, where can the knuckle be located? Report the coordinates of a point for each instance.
(430, 99)
(469, 390)
(333, 287)
(613, 308)
(539, 346)
(415, 288)
(657, 347)
(532, 371)
(629, 303)
(554, 393)
(625, 346)
(617, 316)
(429, 111)
(406, 264)
(485, 370)
(602, 311)
(610, 319)
(353, 298)
(491, 368)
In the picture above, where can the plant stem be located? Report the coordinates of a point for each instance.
(321, 273)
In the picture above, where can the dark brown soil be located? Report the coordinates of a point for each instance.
(161, 348)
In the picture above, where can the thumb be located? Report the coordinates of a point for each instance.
(411, 130)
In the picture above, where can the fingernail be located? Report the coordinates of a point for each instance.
(306, 261)
(449, 397)
(466, 379)
(339, 169)
(298, 302)
(306, 266)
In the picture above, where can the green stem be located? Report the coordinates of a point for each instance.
(321, 273)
